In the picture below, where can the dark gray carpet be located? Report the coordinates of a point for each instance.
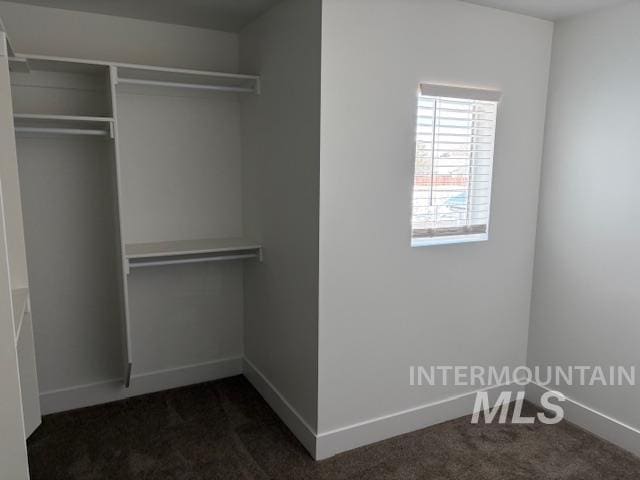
(225, 430)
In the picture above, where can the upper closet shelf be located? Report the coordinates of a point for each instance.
(146, 75)
(187, 79)
(191, 251)
(28, 123)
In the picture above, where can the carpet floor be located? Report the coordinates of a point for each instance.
(225, 430)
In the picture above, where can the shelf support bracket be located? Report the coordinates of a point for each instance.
(113, 75)
(127, 378)
(3, 45)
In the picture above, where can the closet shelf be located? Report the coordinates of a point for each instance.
(187, 79)
(63, 124)
(141, 76)
(20, 299)
(191, 251)
(61, 118)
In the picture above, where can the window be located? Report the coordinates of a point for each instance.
(455, 135)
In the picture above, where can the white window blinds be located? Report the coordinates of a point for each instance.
(455, 136)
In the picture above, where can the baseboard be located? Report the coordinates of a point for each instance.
(593, 421)
(292, 419)
(326, 444)
(183, 376)
(332, 442)
(81, 396)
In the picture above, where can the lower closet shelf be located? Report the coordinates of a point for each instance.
(191, 251)
(27, 123)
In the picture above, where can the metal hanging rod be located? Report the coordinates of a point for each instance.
(61, 118)
(178, 261)
(62, 131)
(193, 86)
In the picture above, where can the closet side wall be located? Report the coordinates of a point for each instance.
(13, 451)
(13, 217)
(12, 205)
(281, 167)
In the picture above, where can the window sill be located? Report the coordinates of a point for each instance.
(429, 242)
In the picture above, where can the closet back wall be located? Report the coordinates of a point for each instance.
(181, 178)
(206, 316)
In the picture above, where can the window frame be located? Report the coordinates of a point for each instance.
(456, 234)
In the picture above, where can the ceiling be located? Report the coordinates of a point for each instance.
(548, 9)
(232, 15)
(225, 15)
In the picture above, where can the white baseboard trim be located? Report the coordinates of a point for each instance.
(292, 419)
(592, 420)
(381, 428)
(81, 396)
(326, 444)
(183, 376)
(330, 443)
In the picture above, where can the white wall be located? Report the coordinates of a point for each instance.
(281, 166)
(384, 305)
(70, 239)
(181, 170)
(585, 307)
(186, 321)
(65, 33)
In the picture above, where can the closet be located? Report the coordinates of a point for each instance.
(130, 192)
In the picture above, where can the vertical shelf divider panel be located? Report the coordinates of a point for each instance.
(123, 267)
